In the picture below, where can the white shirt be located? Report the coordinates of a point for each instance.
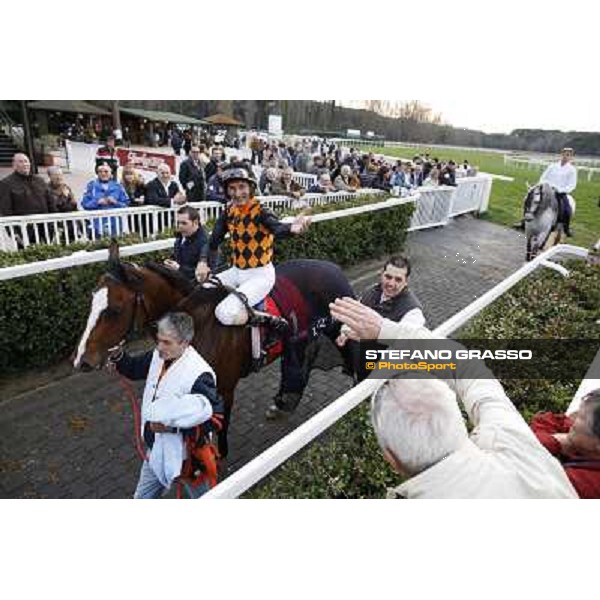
(502, 458)
(563, 178)
(169, 401)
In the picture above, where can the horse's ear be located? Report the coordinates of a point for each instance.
(113, 254)
(130, 276)
(527, 185)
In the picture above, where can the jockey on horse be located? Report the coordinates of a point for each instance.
(562, 177)
(252, 229)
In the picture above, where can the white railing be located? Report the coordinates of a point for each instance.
(590, 382)
(436, 205)
(471, 195)
(433, 207)
(264, 464)
(84, 257)
(304, 179)
(539, 164)
(147, 221)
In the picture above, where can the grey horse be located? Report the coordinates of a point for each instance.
(540, 216)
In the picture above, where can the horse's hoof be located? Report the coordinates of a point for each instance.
(273, 413)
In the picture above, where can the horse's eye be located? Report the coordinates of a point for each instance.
(112, 311)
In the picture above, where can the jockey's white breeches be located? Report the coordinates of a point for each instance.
(254, 283)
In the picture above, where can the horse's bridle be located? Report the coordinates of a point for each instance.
(136, 325)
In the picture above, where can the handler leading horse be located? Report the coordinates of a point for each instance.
(128, 298)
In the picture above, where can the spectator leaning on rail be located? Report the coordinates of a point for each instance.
(434, 178)
(286, 186)
(22, 193)
(400, 177)
(448, 174)
(180, 393)
(189, 242)
(422, 433)
(104, 193)
(267, 180)
(61, 194)
(575, 440)
(192, 178)
(343, 182)
(133, 184)
(164, 190)
(323, 185)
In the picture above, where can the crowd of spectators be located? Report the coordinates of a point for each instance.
(333, 168)
(338, 168)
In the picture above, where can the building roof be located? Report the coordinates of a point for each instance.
(220, 119)
(73, 106)
(160, 116)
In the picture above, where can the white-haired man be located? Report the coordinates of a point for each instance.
(422, 434)
(180, 394)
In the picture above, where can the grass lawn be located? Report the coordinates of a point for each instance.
(507, 196)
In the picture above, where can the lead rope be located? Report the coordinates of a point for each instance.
(137, 419)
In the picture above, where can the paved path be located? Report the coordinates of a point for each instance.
(72, 438)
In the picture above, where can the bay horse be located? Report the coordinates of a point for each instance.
(541, 219)
(129, 298)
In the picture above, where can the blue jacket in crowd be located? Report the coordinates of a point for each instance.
(94, 192)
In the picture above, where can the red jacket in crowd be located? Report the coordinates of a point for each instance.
(583, 474)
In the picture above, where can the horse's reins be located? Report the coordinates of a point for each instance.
(134, 329)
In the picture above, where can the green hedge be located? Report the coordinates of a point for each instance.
(42, 316)
(345, 462)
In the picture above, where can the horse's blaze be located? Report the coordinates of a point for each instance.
(99, 304)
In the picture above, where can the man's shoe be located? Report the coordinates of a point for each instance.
(273, 413)
(520, 225)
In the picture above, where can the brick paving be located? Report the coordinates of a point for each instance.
(72, 438)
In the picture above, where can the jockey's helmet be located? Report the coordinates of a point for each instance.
(239, 173)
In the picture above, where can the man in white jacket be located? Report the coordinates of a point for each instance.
(180, 393)
(423, 436)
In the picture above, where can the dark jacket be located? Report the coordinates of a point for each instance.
(187, 252)
(215, 191)
(62, 198)
(379, 183)
(416, 179)
(24, 195)
(394, 308)
(447, 177)
(210, 169)
(156, 194)
(135, 191)
(192, 173)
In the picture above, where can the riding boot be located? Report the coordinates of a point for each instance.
(567, 226)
